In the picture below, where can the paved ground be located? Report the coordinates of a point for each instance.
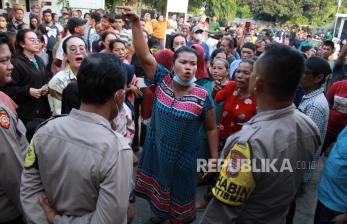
(143, 212)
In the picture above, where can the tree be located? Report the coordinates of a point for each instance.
(309, 12)
(244, 12)
(225, 10)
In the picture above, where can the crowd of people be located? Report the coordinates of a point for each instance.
(82, 95)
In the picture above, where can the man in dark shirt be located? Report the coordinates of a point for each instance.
(18, 20)
(53, 34)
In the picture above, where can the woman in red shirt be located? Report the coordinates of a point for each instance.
(239, 106)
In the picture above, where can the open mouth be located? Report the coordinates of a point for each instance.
(188, 74)
(79, 59)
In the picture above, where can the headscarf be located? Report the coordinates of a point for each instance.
(201, 72)
(165, 57)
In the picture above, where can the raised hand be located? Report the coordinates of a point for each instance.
(129, 13)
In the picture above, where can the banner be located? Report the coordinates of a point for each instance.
(177, 6)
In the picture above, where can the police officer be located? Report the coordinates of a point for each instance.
(260, 177)
(77, 162)
(13, 144)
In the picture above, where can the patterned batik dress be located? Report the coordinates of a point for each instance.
(166, 175)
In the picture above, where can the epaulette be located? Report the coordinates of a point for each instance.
(50, 119)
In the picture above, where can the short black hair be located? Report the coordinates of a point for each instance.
(96, 17)
(47, 11)
(112, 42)
(306, 48)
(4, 39)
(329, 43)
(118, 16)
(100, 77)
(173, 38)
(185, 49)
(69, 38)
(110, 17)
(281, 68)
(20, 38)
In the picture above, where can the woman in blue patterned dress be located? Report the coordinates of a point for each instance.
(166, 175)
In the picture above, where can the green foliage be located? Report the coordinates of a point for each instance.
(303, 12)
(244, 12)
(309, 12)
(224, 10)
(62, 2)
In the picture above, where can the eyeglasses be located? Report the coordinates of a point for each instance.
(34, 40)
(74, 50)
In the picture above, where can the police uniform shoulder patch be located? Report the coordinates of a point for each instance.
(30, 157)
(235, 183)
(4, 120)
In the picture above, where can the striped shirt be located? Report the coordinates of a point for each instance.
(315, 106)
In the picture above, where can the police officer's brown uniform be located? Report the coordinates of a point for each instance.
(13, 146)
(263, 195)
(83, 168)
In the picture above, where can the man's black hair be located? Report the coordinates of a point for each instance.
(306, 48)
(100, 77)
(47, 11)
(118, 16)
(110, 17)
(281, 68)
(329, 43)
(96, 17)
